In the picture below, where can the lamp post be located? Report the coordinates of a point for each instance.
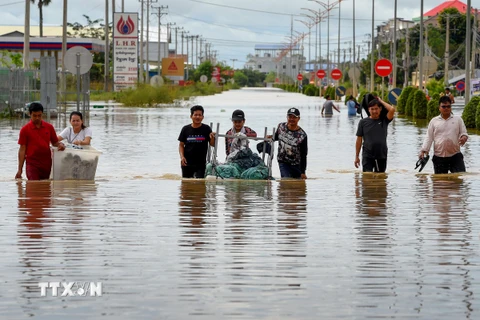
(467, 54)
(394, 62)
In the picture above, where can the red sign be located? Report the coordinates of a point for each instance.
(321, 73)
(216, 73)
(460, 86)
(383, 67)
(299, 77)
(336, 74)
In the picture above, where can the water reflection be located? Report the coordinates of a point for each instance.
(34, 229)
(371, 193)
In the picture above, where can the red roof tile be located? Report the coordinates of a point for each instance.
(459, 5)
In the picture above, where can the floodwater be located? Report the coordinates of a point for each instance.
(341, 245)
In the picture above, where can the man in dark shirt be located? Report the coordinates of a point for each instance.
(373, 132)
(292, 146)
(193, 145)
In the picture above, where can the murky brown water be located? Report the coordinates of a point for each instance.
(340, 245)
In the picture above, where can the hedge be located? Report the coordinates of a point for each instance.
(402, 100)
(470, 112)
(420, 105)
(432, 106)
(410, 102)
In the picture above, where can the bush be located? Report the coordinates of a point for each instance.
(410, 102)
(310, 90)
(470, 112)
(402, 100)
(420, 105)
(477, 118)
(432, 106)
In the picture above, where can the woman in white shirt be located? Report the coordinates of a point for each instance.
(76, 134)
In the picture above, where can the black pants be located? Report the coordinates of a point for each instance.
(194, 171)
(453, 164)
(374, 165)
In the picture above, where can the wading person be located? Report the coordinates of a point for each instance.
(447, 133)
(78, 133)
(34, 140)
(238, 120)
(328, 107)
(372, 131)
(449, 94)
(193, 145)
(352, 106)
(292, 147)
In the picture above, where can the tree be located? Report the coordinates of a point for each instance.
(40, 5)
(271, 77)
(240, 78)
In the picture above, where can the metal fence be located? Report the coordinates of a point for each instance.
(56, 90)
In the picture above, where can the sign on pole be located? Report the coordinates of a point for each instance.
(173, 68)
(383, 67)
(336, 74)
(321, 73)
(125, 50)
(393, 95)
(340, 91)
(299, 77)
(460, 86)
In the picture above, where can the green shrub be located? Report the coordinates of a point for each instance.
(410, 102)
(470, 112)
(361, 94)
(477, 118)
(432, 106)
(310, 90)
(420, 105)
(402, 100)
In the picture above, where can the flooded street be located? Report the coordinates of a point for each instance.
(342, 244)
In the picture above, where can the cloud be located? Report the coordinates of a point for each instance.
(232, 31)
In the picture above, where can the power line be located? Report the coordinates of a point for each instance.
(11, 3)
(245, 9)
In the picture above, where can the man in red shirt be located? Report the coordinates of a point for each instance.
(34, 140)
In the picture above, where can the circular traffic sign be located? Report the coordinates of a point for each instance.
(354, 72)
(340, 91)
(203, 78)
(336, 74)
(321, 73)
(460, 86)
(393, 95)
(430, 65)
(80, 58)
(299, 77)
(383, 67)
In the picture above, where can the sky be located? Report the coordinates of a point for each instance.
(233, 27)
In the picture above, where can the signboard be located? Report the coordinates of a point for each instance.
(383, 67)
(299, 77)
(216, 74)
(173, 68)
(340, 91)
(460, 86)
(321, 74)
(393, 95)
(125, 50)
(354, 72)
(203, 78)
(336, 74)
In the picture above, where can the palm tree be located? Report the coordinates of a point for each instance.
(40, 4)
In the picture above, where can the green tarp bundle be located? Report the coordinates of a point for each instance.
(243, 164)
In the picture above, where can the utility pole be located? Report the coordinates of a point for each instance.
(196, 52)
(447, 50)
(123, 6)
(474, 44)
(161, 12)
(394, 80)
(141, 43)
(64, 40)
(26, 38)
(407, 51)
(372, 75)
(354, 80)
(467, 54)
(107, 50)
(233, 63)
(338, 41)
(421, 52)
